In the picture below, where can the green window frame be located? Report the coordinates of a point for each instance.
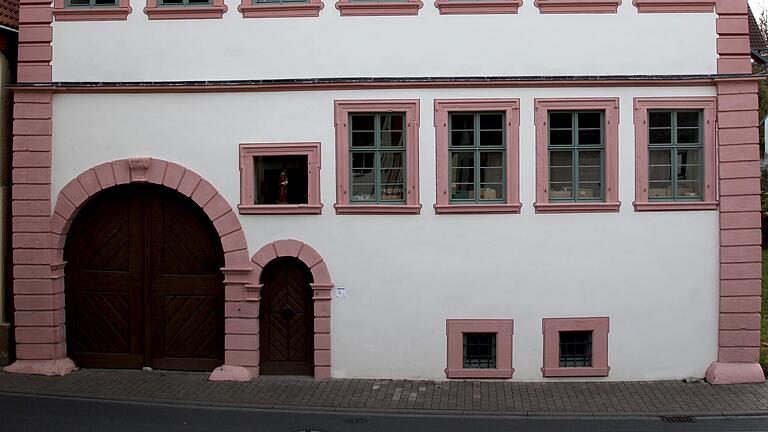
(377, 159)
(473, 175)
(576, 154)
(259, 2)
(675, 155)
(90, 3)
(184, 3)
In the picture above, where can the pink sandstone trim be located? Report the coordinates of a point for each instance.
(247, 188)
(311, 8)
(155, 12)
(462, 7)
(116, 13)
(551, 328)
(378, 8)
(57, 367)
(610, 106)
(231, 373)
(642, 105)
(321, 297)
(455, 329)
(577, 6)
(342, 108)
(675, 6)
(733, 37)
(511, 109)
(734, 373)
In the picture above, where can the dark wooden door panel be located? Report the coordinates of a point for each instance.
(286, 319)
(143, 282)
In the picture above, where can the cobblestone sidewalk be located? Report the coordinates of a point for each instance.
(447, 397)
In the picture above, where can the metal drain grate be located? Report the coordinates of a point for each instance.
(678, 419)
(356, 420)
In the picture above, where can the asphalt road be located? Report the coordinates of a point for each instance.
(43, 413)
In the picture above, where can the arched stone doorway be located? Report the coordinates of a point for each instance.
(143, 280)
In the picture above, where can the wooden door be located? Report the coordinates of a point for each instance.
(286, 319)
(143, 285)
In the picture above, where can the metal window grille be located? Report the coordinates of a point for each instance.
(576, 349)
(479, 350)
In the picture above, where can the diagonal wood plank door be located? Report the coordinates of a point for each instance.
(143, 282)
(286, 319)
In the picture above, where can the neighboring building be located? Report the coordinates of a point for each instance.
(388, 189)
(9, 24)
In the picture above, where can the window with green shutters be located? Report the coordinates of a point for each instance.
(675, 155)
(576, 150)
(477, 154)
(377, 158)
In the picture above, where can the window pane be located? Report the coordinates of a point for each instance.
(560, 137)
(492, 159)
(79, 3)
(492, 138)
(590, 190)
(491, 175)
(492, 121)
(491, 191)
(361, 122)
(105, 2)
(479, 350)
(687, 135)
(172, 2)
(575, 349)
(462, 175)
(560, 174)
(590, 120)
(462, 121)
(590, 137)
(362, 139)
(688, 173)
(391, 122)
(660, 119)
(660, 136)
(392, 139)
(280, 179)
(560, 120)
(462, 138)
(688, 119)
(198, 2)
(660, 174)
(363, 192)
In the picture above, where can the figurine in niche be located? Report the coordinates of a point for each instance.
(283, 196)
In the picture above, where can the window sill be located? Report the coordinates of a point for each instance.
(479, 373)
(575, 372)
(476, 208)
(572, 207)
(281, 209)
(675, 6)
(407, 209)
(347, 8)
(285, 10)
(675, 206)
(92, 14)
(458, 7)
(577, 6)
(171, 13)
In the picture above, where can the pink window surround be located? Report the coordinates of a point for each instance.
(101, 13)
(378, 8)
(463, 7)
(642, 105)
(610, 106)
(577, 6)
(455, 329)
(247, 188)
(551, 328)
(675, 6)
(321, 297)
(342, 109)
(511, 109)
(280, 10)
(156, 12)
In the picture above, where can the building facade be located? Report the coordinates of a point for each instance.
(537, 191)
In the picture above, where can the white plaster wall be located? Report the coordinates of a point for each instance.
(654, 274)
(627, 43)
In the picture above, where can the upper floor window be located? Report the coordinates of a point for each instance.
(280, 8)
(378, 7)
(377, 157)
(91, 10)
(477, 155)
(467, 7)
(675, 154)
(185, 9)
(577, 155)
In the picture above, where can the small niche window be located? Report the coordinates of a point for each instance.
(477, 148)
(280, 178)
(575, 349)
(479, 350)
(675, 155)
(576, 154)
(377, 158)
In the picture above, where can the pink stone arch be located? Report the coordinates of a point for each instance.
(321, 293)
(237, 266)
